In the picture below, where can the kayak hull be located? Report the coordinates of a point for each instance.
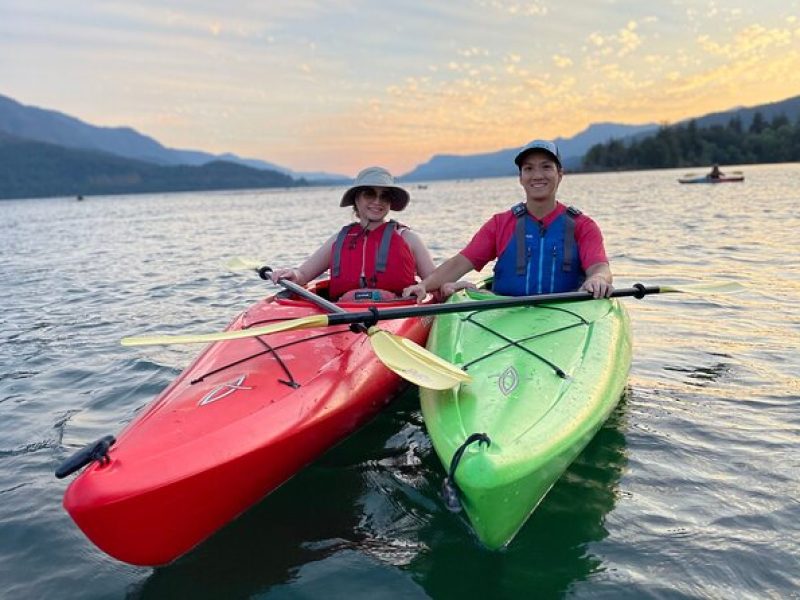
(707, 179)
(243, 418)
(537, 421)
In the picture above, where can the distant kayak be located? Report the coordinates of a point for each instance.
(732, 178)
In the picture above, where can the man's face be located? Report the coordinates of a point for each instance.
(539, 176)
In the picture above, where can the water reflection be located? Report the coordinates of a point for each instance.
(712, 431)
(317, 517)
(702, 375)
(372, 505)
(552, 550)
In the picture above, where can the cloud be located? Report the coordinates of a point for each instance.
(531, 8)
(628, 39)
(470, 52)
(333, 81)
(752, 40)
(562, 61)
(621, 43)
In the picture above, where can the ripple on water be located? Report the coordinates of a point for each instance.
(689, 491)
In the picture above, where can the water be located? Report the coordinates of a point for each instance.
(689, 491)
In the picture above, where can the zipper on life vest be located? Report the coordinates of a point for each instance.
(528, 254)
(553, 271)
(542, 232)
(363, 278)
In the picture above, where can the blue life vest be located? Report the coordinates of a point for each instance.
(539, 260)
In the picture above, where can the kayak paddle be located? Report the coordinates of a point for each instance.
(403, 356)
(638, 291)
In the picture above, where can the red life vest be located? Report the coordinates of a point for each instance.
(379, 259)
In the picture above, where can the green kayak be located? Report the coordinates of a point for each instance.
(545, 378)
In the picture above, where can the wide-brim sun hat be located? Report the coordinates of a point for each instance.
(376, 177)
(545, 146)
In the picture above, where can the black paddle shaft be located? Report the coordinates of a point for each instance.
(637, 291)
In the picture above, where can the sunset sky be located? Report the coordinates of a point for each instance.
(334, 85)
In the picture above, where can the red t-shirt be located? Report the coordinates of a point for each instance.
(493, 237)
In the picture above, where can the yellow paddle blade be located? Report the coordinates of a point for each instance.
(415, 363)
(236, 334)
(713, 287)
(238, 263)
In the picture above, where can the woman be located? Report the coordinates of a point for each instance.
(373, 258)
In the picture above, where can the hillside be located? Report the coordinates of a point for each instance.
(30, 169)
(46, 153)
(687, 145)
(501, 162)
(53, 127)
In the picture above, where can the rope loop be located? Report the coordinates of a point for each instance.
(449, 487)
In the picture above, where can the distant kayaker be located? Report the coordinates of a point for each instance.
(715, 172)
(541, 246)
(372, 258)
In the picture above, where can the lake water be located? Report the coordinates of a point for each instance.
(689, 491)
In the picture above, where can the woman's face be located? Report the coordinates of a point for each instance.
(373, 203)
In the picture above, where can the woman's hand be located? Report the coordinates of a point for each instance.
(418, 290)
(290, 274)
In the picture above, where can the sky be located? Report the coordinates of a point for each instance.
(336, 85)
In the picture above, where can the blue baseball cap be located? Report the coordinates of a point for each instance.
(540, 145)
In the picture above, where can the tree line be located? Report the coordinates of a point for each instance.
(688, 145)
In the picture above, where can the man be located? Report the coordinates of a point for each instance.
(541, 246)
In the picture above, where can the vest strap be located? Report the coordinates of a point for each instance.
(383, 249)
(520, 212)
(569, 241)
(337, 250)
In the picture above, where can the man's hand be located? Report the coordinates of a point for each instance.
(598, 286)
(451, 287)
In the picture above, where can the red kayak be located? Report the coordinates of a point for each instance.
(238, 422)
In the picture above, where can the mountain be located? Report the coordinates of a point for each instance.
(52, 127)
(501, 162)
(127, 161)
(789, 107)
(31, 169)
(315, 176)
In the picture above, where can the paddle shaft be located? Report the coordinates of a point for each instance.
(377, 314)
(367, 320)
(405, 357)
(311, 296)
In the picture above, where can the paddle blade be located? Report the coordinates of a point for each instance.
(714, 287)
(236, 334)
(415, 363)
(238, 263)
